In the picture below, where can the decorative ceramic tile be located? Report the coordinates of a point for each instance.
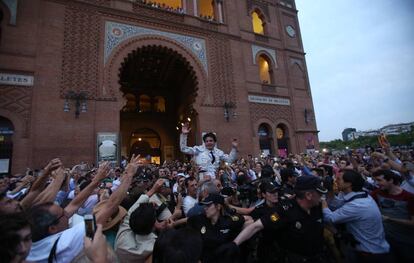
(116, 33)
(12, 5)
(257, 49)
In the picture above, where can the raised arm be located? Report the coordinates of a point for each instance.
(40, 183)
(232, 156)
(394, 165)
(49, 194)
(183, 140)
(119, 195)
(77, 202)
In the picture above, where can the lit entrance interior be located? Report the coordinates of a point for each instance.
(159, 89)
(6, 145)
(282, 140)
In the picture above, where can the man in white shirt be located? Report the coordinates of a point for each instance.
(57, 232)
(207, 156)
(191, 198)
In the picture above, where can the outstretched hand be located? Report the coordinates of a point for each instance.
(103, 171)
(52, 165)
(186, 128)
(133, 165)
(156, 187)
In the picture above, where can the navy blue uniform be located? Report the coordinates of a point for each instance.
(224, 231)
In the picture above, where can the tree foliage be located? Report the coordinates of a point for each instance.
(403, 139)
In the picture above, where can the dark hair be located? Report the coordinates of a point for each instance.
(285, 174)
(9, 240)
(388, 175)
(188, 179)
(84, 184)
(356, 179)
(211, 135)
(142, 220)
(40, 220)
(267, 171)
(242, 179)
(178, 246)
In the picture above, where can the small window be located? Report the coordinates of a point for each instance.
(265, 69)
(258, 23)
(159, 104)
(206, 9)
(144, 103)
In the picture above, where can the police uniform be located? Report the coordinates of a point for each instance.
(227, 227)
(268, 250)
(299, 233)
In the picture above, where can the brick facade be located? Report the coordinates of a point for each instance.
(81, 45)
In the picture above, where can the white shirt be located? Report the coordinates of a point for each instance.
(70, 244)
(188, 203)
(203, 158)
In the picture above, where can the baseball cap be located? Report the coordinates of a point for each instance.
(310, 183)
(269, 187)
(213, 199)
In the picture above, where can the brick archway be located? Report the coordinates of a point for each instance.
(110, 88)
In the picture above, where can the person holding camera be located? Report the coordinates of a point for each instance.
(207, 156)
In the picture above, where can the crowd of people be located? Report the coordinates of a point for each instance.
(217, 207)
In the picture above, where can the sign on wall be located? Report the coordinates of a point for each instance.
(16, 79)
(269, 100)
(4, 166)
(107, 148)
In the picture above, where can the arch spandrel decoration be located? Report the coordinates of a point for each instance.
(116, 33)
(110, 76)
(268, 51)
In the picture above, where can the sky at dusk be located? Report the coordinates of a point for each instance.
(360, 59)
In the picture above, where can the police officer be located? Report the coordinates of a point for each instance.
(296, 222)
(268, 249)
(216, 228)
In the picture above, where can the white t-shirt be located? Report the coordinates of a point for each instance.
(70, 244)
(188, 203)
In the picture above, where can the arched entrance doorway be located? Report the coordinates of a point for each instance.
(265, 139)
(6, 145)
(282, 136)
(159, 89)
(146, 143)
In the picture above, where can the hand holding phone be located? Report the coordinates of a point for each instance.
(90, 225)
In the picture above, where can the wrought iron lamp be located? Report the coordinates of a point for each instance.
(80, 102)
(229, 110)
